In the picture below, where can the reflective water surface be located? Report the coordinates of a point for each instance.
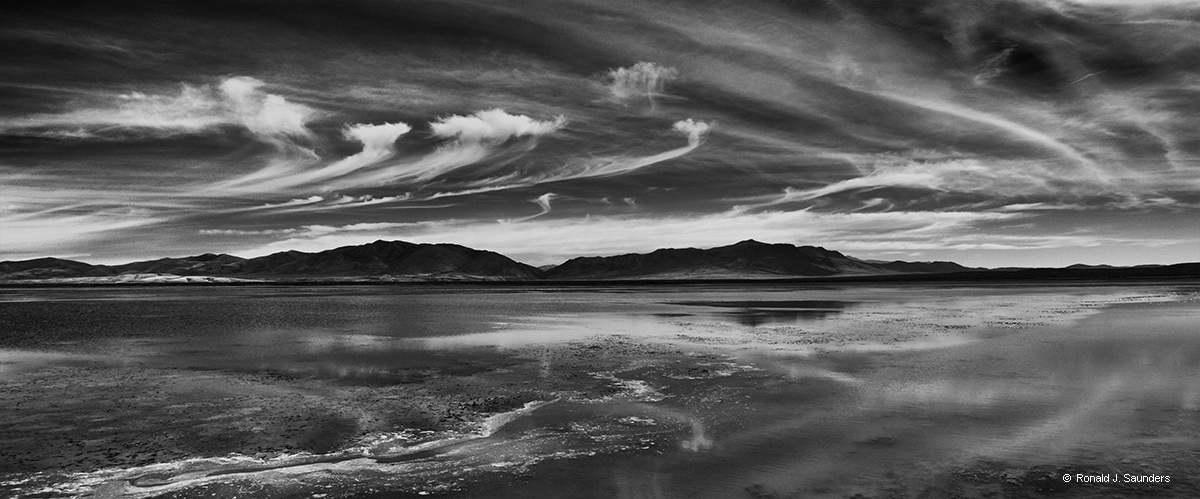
(697, 391)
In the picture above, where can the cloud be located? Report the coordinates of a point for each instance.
(994, 66)
(265, 115)
(861, 234)
(479, 135)
(314, 238)
(236, 101)
(376, 138)
(693, 129)
(494, 126)
(616, 235)
(543, 202)
(1134, 4)
(473, 190)
(366, 200)
(242, 232)
(1013, 128)
(47, 235)
(192, 109)
(323, 204)
(442, 161)
(482, 135)
(812, 99)
(642, 80)
(1024, 207)
(995, 179)
(378, 145)
(606, 167)
(29, 195)
(272, 120)
(286, 204)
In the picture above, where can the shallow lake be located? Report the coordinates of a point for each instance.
(692, 391)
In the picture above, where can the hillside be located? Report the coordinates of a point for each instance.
(383, 260)
(746, 259)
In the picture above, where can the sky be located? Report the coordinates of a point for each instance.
(991, 133)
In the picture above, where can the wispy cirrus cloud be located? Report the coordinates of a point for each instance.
(247, 232)
(367, 200)
(64, 233)
(378, 143)
(619, 165)
(543, 202)
(291, 203)
(238, 101)
(624, 234)
(191, 110)
(471, 139)
(314, 238)
(996, 178)
(930, 235)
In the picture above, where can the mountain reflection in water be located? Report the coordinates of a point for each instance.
(760, 312)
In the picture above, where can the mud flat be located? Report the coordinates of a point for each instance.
(949, 392)
(145, 431)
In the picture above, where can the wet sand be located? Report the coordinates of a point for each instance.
(950, 393)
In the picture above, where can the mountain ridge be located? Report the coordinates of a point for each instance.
(401, 261)
(747, 258)
(381, 260)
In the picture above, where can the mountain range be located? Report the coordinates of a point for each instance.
(747, 259)
(380, 260)
(399, 261)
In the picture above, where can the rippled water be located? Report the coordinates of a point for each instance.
(703, 391)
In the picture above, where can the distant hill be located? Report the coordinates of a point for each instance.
(747, 259)
(396, 258)
(206, 264)
(1085, 272)
(1086, 266)
(380, 260)
(48, 268)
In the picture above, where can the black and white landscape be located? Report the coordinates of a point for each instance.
(610, 249)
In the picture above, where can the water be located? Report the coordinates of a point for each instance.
(699, 391)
